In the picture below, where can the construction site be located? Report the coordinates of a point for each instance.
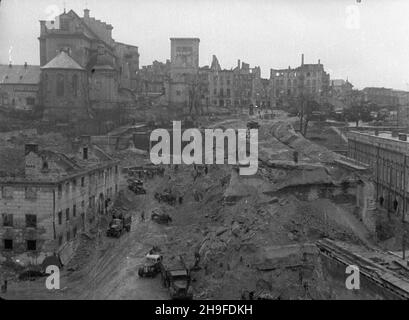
(286, 233)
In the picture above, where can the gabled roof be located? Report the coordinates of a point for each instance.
(62, 61)
(19, 74)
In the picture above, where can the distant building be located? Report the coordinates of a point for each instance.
(341, 88)
(152, 78)
(184, 67)
(388, 155)
(220, 85)
(105, 67)
(85, 38)
(243, 85)
(403, 97)
(383, 97)
(19, 86)
(262, 90)
(51, 197)
(307, 79)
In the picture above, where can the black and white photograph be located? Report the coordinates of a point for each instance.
(226, 151)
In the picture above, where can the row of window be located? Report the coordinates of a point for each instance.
(293, 83)
(29, 193)
(221, 80)
(31, 220)
(67, 186)
(30, 101)
(67, 212)
(31, 245)
(92, 177)
(68, 236)
(221, 92)
(294, 74)
(386, 172)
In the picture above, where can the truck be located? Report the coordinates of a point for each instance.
(118, 225)
(151, 267)
(160, 217)
(136, 186)
(176, 278)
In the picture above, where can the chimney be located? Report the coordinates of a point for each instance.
(238, 63)
(86, 13)
(30, 147)
(302, 59)
(319, 61)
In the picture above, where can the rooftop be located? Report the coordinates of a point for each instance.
(53, 147)
(62, 61)
(19, 74)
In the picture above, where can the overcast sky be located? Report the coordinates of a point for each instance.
(368, 42)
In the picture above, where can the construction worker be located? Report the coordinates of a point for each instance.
(197, 258)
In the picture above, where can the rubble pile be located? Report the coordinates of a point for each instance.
(286, 134)
(253, 234)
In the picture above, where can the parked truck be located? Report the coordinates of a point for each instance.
(176, 277)
(151, 267)
(118, 225)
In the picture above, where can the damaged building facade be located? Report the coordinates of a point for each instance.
(181, 83)
(54, 198)
(387, 154)
(308, 79)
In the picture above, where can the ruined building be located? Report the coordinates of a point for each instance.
(152, 78)
(387, 154)
(184, 67)
(307, 79)
(210, 89)
(49, 197)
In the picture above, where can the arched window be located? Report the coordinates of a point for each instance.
(75, 85)
(60, 85)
